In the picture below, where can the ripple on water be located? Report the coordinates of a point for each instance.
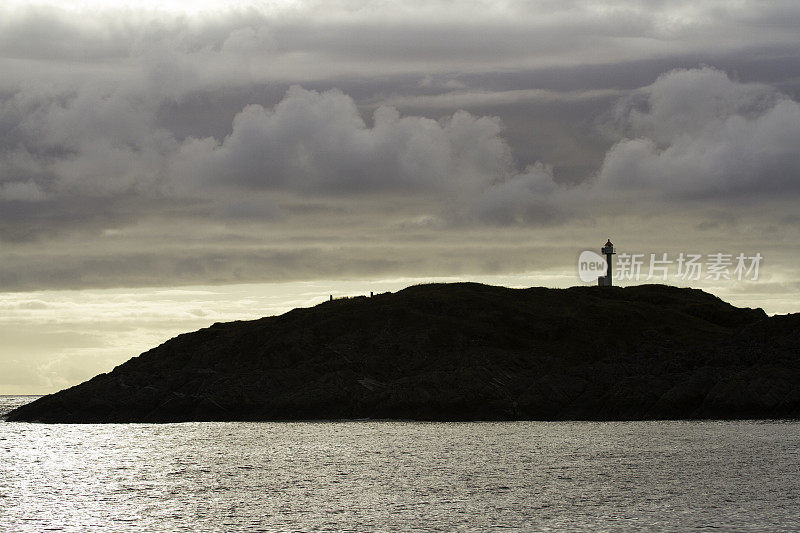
(400, 475)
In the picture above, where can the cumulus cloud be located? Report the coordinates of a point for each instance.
(317, 143)
(93, 143)
(697, 133)
(82, 154)
(88, 142)
(692, 134)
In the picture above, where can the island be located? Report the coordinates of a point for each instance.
(461, 351)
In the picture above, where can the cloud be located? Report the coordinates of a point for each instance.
(303, 42)
(67, 148)
(91, 142)
(463, 98)
(693, 134)
(93, 169)
(689, 101)
(86, 153)
(697, 133)
(526, 198)
(159, 142)
(317, 143)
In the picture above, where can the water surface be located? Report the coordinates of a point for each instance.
(379, 475)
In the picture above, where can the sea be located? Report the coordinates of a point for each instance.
(373, 475)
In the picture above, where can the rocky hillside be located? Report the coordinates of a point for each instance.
(462, 352)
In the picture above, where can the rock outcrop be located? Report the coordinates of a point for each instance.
(462, 352)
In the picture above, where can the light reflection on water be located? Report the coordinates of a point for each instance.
(399, 476)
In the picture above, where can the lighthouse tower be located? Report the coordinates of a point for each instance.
(608, 251)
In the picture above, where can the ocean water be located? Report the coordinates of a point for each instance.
(399, 476)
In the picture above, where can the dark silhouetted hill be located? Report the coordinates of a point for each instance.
(462, 351)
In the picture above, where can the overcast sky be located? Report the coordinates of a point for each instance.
(251, 150)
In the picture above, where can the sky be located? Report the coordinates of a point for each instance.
(167, 165)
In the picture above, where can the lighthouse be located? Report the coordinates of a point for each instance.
(608, 251)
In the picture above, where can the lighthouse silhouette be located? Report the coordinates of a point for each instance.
(608, 250)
